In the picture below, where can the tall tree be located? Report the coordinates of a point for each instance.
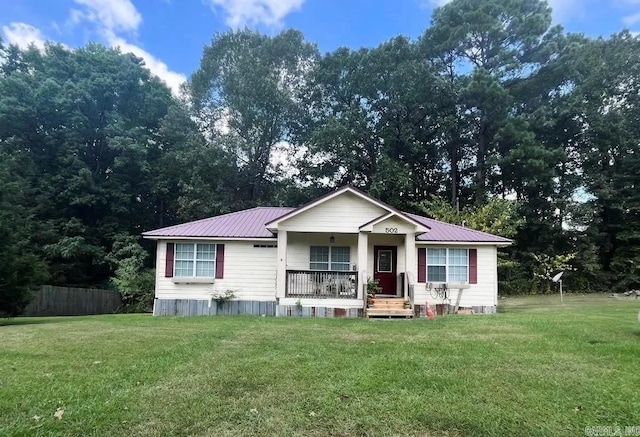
(606, 96)
(376, 121)
(85, 126)
(492, 43)
(247, 97)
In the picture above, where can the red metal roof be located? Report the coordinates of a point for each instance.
(250, 223)
(441, 231)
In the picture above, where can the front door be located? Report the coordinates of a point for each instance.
(384, 268)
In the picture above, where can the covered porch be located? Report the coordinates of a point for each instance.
(331, 249)
(334, 269)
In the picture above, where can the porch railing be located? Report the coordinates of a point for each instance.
(322, 284)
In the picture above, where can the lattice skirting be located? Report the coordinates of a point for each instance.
(195, 307)
(317, 311)
(441, 309)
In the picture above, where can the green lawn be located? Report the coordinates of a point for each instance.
(535, 368)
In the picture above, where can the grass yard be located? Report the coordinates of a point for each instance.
(535, 368)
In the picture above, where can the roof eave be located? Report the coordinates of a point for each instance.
(465, 243)
(191, 237)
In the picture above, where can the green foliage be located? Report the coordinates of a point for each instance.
(373, 287)
(21, 269)
(494, 45)
(491, 103)
(20, 275)
(246, 95)
(375, 122)
(224, 296)
(132, 278)
(82, 131)
(496, 216)
(546, 267)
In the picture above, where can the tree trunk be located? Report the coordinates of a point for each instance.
(480, 191)
(454, 172)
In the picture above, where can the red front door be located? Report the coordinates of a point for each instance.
(384, 268)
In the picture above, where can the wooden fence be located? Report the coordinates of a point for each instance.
(64, 301)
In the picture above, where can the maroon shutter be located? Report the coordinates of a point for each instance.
(422, 264)
(219, 261)
(168, 267)
(473, 266)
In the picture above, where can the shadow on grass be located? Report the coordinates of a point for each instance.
(17, 321)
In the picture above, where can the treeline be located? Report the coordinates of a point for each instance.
(492, 117)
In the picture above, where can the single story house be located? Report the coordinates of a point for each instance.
(321, 259)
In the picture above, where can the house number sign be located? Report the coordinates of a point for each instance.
(391, 230)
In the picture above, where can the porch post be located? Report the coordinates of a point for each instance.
(363, 247)
(281, 270)
(409, 258)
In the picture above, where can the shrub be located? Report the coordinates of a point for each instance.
(133, 279)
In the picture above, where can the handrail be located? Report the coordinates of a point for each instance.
(349, 272)
(322, 284)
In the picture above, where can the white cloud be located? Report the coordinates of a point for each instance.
(632, 19)
(111, 18)
(22, 34)
(155, 65)
(247, 12)
(113, 15)
(437, 3)
(565, 9)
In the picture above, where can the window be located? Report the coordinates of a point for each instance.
(330, 258)
(447, 265)
(195, 260)
(319, 258)
(437, 265)
(340, 258)
(385, 261)
(458, 265)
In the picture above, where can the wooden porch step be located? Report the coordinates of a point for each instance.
(386, 312)
(389, 303)
(399, 306)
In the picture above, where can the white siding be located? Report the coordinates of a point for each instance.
(299, 243)
(484, 293)
(249, 271)
(344, 213)
(398, 225)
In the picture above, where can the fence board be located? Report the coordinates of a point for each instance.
(69, 301)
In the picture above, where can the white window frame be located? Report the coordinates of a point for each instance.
(447, 264)
(195, 260)
(330, 262)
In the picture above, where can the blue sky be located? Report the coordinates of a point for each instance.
(170, 34)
